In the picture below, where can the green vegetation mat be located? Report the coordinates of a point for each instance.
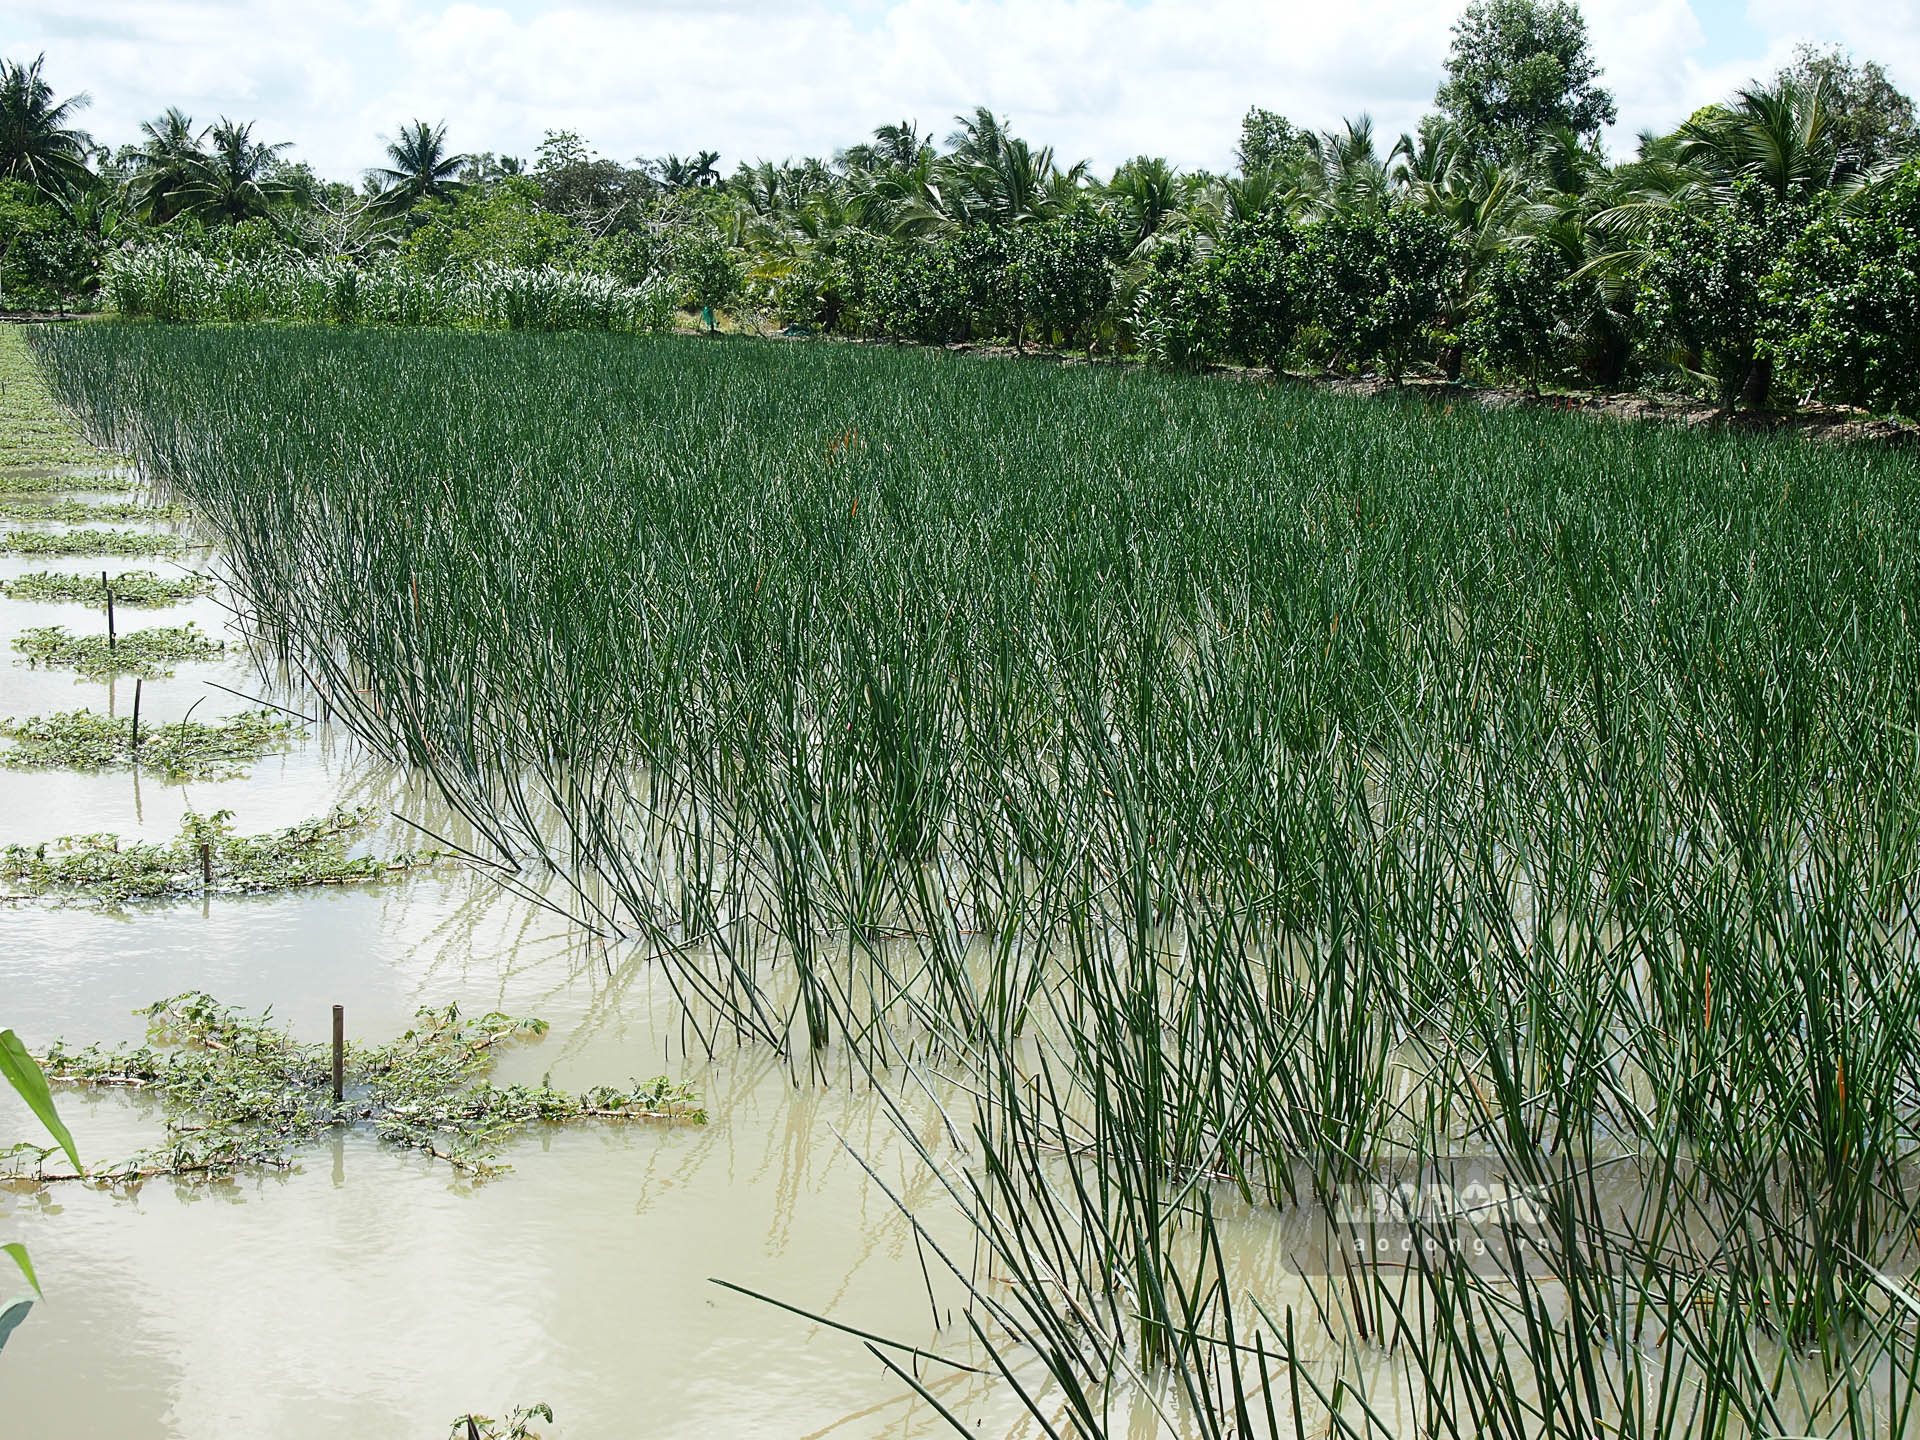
(518, 1424)
(178, 750)
(88, 542)
(150, 653)
(83, 512)
(1251, 791)
(144, 588)
(207, 857)
(43, 481)
(238, 1091)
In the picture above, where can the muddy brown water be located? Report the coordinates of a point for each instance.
(373, 1292)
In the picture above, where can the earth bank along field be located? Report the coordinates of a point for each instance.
(1248, 792)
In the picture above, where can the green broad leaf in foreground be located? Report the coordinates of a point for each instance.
(19, 1068)
(25, 1262)
(10, 1319)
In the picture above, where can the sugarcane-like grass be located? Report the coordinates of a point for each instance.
(1254, 792)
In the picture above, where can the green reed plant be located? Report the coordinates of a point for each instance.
(1247, 790)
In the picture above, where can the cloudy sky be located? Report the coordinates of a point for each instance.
(1099, 79)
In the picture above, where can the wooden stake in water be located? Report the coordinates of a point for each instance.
(107, 585)
(339, 1049)
(206, 863)
(133, 746)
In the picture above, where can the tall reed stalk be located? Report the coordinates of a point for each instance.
(1252, 793)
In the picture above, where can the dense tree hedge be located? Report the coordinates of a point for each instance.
(1764, 252)
(1843, 306)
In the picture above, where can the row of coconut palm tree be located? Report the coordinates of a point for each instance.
(1784, 137)
(1536, 209)
(898, 185)
(218, 174)
(1783, 146)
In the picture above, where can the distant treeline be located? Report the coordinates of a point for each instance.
(1767, 252)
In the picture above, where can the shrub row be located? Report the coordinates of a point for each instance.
(170, 282)
(1764, 301)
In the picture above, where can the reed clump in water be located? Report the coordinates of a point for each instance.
(178, 750)
(1250, 791)
(143, 588)
(240, 1092)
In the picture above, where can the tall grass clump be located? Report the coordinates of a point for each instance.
(172, 283)
(1261, 797)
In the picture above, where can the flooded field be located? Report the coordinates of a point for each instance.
(1410, 938)
(372, 1291)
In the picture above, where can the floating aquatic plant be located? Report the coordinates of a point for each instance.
(67, 477)
(89, 542)
(517, 1426)
(179, 750)
(84, 512)
(206, 858)
(238, 1091)
(147, 653)
(145, 588)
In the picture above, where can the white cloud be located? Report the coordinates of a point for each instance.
(1883, 30)
(1100, 79)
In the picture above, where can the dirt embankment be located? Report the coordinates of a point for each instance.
(1834, 423)
(1838, 424)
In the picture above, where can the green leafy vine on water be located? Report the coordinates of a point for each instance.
(45, 481)
(98, 867)
(89, 542)
(130, 587)
(148, 653)
(179, 750)
(517, 1426)
(237, 1091)
(83, 512)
